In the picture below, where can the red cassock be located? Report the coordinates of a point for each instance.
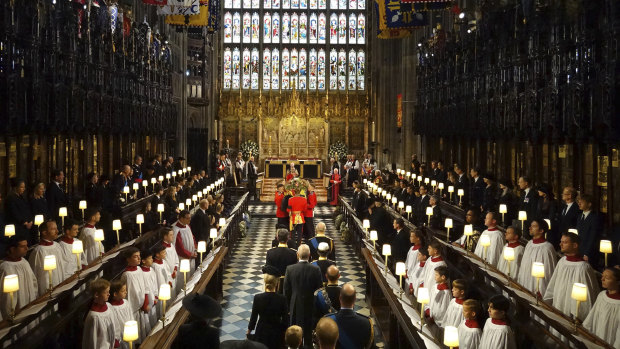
(290, 176)
(278, 201)
(298, 205)
(335, 181)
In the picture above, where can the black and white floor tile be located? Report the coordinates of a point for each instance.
(269, 209)
(243, 277)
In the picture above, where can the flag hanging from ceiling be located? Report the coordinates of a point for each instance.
(429, 5)
(192, 9)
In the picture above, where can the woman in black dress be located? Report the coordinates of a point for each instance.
(38, 203)
(271, 309)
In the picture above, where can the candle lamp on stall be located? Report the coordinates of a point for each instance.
(130, 332)
(394, 201)
(9, 230)
(184, 268)
(153, 181)
(538, 271)
(408, 210)
(181, 206)
(49, 264)
(388, 197)
(427, 180)
(188, 203)
(374, 237)
(440, 186)
(116, 226)
(77, 248)
(135, 188)
(366, 225)
(140, 221)
(448, 224)
(450, 191)
(38, 220)
(62, 213)
(468, 230)
(579, 294)
(174, 175)
(460, 193)
(423, 298)
(429, 213)
(213, 236)
(99, 236)
(434, 184)
(164, 295)
(126, 192)
(522, 218)
(161, 208)
(419, 180)
(605, 247)
(509, 256)
(145, 185)
(503, 209)
(401, 206)
(451, 337)
(194, 199)
(201, 248)
(10, 286)
(485, 241)
(82, 206)
(400, 271)
(386, 251)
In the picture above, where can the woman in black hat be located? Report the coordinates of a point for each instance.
(198, 332)
(271, 309)
(507, 197)
(547, 205)
(489, 199)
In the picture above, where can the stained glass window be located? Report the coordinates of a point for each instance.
(227, 69)
(236, 27)
(266, 69)
(281, 44)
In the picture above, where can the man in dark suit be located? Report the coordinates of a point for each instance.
(354, 330)
(358, 201)
(200, 223)
(400, 243)
(17, 209)
(422, 203)
(121, 179)
(252, 173)
(300, 282)
(568, 217)
(323, 262)
(55, 194)
(528, 201)
(477, 186)
(461, 183)
(442, 175)
(381, 222)
(589, 228)
(282, 255)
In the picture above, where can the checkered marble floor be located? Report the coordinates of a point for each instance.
(269, 209)
(243, 277)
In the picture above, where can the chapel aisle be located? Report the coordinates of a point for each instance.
(243, 276)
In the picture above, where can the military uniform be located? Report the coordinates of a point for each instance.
(314, 247)
(354, 329)
(323, 264)
(326, 301)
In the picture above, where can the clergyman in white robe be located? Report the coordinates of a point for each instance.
(568, 271)
(37, 256)
(494, 251)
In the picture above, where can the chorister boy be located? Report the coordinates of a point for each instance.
(120, 309)
(415, 275)
(138, 293)
(604, 318)
(92, 248)
(469, 330)
(416, 238)
(66, 247)
(497, 333)
(434, 250)
(15, 263)
(454, 313)
(171, 258)
(439, 296)
(537, 250)
(161, 269)
(512, 240)
(150, 279)
(493, 252)
(99, 330)
(47, 246)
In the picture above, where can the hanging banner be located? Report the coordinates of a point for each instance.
(429, 5)
(397, 15)
(393, 33)
(399, 110)
(193, 9)
(157, 2)
(199, 20)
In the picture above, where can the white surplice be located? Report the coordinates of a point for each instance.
(92, 248)
(604, 318)
(37, 256)
(99, 331)
(469, 335)
(454, 313)
(502, 265)
(28, 289)
(494, 251)
(497, 336)
(536, 251)
(122, 313)
(69, 260)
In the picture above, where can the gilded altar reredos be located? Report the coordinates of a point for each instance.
(293, 123)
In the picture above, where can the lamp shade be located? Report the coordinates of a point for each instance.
(160, 208)
(181, 206)
(38, 219)
(184, 267)
(485, 240)
(205, 191)
(11, 283)
(174, 173)
(423, 296)
(605, 246)
(130, 332)
(503, 208)
(99, 236)
(574, 231)
(126, 190)
(379, 190)
(522, 215)
(401, 204)
(366, 223)
(364, 181)
(398, 171)
(145, 183)
(429, 211)
(451, 336)
(448, 223)
(419, 178)
(427, 180)
(213, 233)
(139, 218)
(154, 180)
(394, 200)
(49, 262)
(389, 197)
(9, 230)
(116, 224)
(509, 253)
(189, 169)
(460, 192)
(195, 197)
(548, 222)
(433, 183)
(440, 185)
(160, 178)
(77, 247)
(188, 202)
(408, 174)
(82, 205)
(62, 212)
(168, 176)
(580, 292)
(373, 235)
(400, 268)
(222, 222)
(408, 209)
(450, 189)
(384, 193)
(387, 250)
(135, 186)
(199, 194)
(538, 270)
(468, 230)
(164, 292)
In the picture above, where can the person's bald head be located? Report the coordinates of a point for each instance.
(333, 274)
(347, 296)
(303, 252)
(327, 333)
(320, 228)
(204, 204)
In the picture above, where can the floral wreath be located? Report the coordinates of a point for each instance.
(338, 150)
(296, 186)
(248, 148)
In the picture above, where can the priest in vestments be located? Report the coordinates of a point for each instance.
(604, 318)
(494, 251)
(14, 263)
(537, 250)
(47, 247)
(335, 181)
(571, 269)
